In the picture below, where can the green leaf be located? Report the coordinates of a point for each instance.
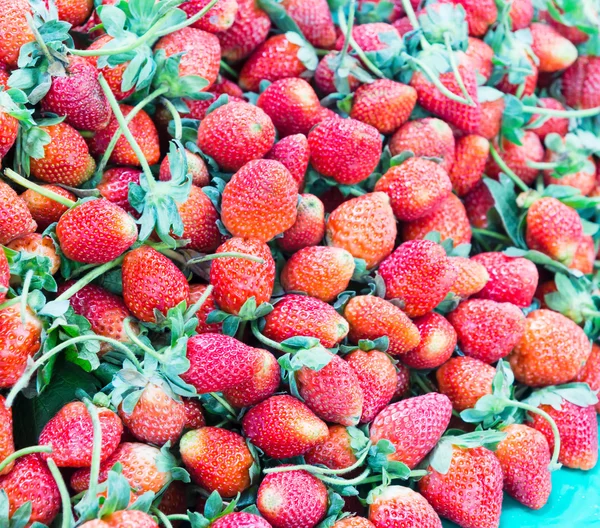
(578, 394)
(505, 203)
(213, 506)
(543, 260)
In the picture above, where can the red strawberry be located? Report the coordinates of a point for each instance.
(438, 340)
(218, 18)
(403, 386)
(335, 452)
(4, 276)
(314, 20)
(196, 291)
(75, 13)
(554, 229)
(30, 481)
(552, 351)
(580, 83)
(283, 427)
(71, 436)
(44, 210)
(114, 186)
(584, 180)
(413, 426)
(292, 498)
(471, 279)
(235, 280)
(558, 125)
(419, 274)
(384, 104)
(367, 36)
(353, 522)
(480, 56)
(325, 75)
(398, 504)
(584, 256)
(319, 271)
(235, 134)
(478, 203)
(480, 14)
(113, 76)
(491, 118)
(15, 30)
(194, 416)
(15, 218)
(465, 380)
(123, 519)
(521, 14)
(309, 227)
(517, 156)
(10, 128)
(371, 317)
(416, 188)
(217, 460)
(240, 520)
(152, 282)
(95, 232)
(294, 154)
(471, 155)
(524, 457)
(199, 218)
(195, 165)
(7, 444)
(590, 373)
(553, 51)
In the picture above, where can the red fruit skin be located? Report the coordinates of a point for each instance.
(196, 291)
(335, 452)
(516, 157)
(590, 373)
(403, 384)
(314, 20)
(249, 30)
(419, 273)
(524, 457)
(464, 380)
(333, 145)
(584, 256)
(401, 506)
(95, 232)
(235, 134)
(521, 14)
(10, 128)
(70, 434)
(31, 481)
(194, 416)
(15, 31)
(218, 362)
(123, 519)
(471, 279)
(309, 227)
(371, 317)
(491, 118)
(152, 282)
(114, 186)
(113, 76)
(7, 443)
(196, 166)
(79, 97)
(438, 340)
(480, 56)
(354, 522)
(44, 210)
(578, 431)
(199, 218)
(240, 520)
(558, 125)
(294, 154)
(580, 83)
(291, 499)
(473, 471)
(471, 155)
(478, 202)
(75, 13)
(283, 427)
(15, 218)
(552, 351)
(325, 74)
(218, 18)
(4, 276)
(236, 280)
(367, 36)
(413, 426)
(553, 51)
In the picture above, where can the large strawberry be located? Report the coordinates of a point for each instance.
(314, 20)
(580, 83)
(309, 227)
(465, 380)
(401, 504)
(45, 211)
(437, 344)
(15, 218)
(7, 443)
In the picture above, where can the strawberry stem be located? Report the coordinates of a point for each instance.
(139, 343)
(189, 21)
(507, 170)
(65, 499)
(28, 184)
(191, 311)
(348, 30)
(361, 54)
(456, 73)
(226, 254)
(86, 279)
(162, 517)
(228, 69)
(23, 296)
(345, 482)
(541, 165)
(414, 22)
(550, 112)
(22, 452)
(175, 115)
(38, 39)
(266, 341)
(96, 447)
(491, 234)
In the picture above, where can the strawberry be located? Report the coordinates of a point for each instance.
(194, 416)
(573, 33)
(276, 58)
(235, 280)
(113, 76)
(299, 315)
(78, 96)
(466, 118)
(377, 379)
(480, 56)
(465, 380)
(15, 218)
(294, 154)
(367, 36)
(199, 218)
(354, 522)
(114, 186)
(585, 255)
(264, 382)
(438, 340)
(144, 131)
(18, 343)
(590, 373)
(95, 232)
(7, 443)
(319, 271)
(15, 31)
(517, 156)
(249, 30)
(196, 291)
(218, 18)
(75, 13)
(283, 427)
(235, 134)
(123, 519)
(403, 385)
(553, 51)
(524, 456)
(195, 165)
(292, 498)
(240, 520)
(429, 137)
(480, 14)
(580, 83)
(487, 330)
(4, 276)
(9, 125)
(557, 125)
(201, 52)
(44, 210)
(419, 273)
(491, 118)
(325, 75)
(384, 104)
(314, 20)
(371, 317)
(416, 188)
(309, 227)
(70, 434)
(335, 452)
(413, 426)
(521, 14)
(478, 202)
(511, 279)
(474, 471)
(471, 279)
(554, 229)
(260, 201)
(552, 351)
(151, 282)
(292, 104)
(217, 460)
(30, 481)
(471, 155)
(398, 504)
(365, 227)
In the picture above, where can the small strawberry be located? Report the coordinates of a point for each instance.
(319, 271)
(399, 504)
(334, 453)
(70, 434)
(123, 519)
(194, 416)
(15, 30)
(195, 166)
(199, 218)
(325, 75)
(114, 75)
(15, 218)
(309, 227)
(196, 291)
(478, 202)
(553, 51)
(516, 157)
(7, 443)
(580, 83)
(371, 317)
(491, 118)
(235, 134)
(585, 255)
(557, 125)
(480, 14)
(552, 351)
(521, 14)
(218, 18)
(465, 380)
(218, 460)
(403, 385)
(294, 154)
(354, 522)
(471, 279)
(314, 20)
(438, 340)
(480, 55)
(240, 520)
(413, 426)
(471, 155)
(44, 210)
(283, 427)
(114, 186)
(590, 373)
(368, 36)
(75, 13)
(151, 282)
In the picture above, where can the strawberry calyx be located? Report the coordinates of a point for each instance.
(235, 324)
(582, 15)
(367, 345)
(214, 508)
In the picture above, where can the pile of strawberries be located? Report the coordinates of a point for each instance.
(296, 263)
